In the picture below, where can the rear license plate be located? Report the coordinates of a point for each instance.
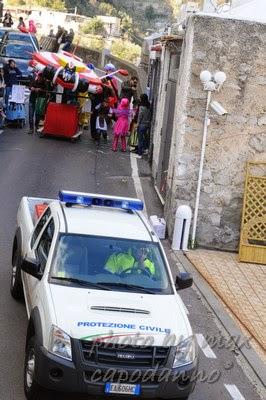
(122, 388)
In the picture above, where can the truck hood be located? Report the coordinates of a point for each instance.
(93, 314)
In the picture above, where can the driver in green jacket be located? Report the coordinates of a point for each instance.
(123, 262)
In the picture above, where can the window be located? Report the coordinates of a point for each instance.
(45, 244)
(118, 264)
(20, 37)
(14, 50)
(40, 225)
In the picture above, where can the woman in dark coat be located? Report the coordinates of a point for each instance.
(7, 21)
(144, 120)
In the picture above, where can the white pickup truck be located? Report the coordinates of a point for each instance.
(104, 313)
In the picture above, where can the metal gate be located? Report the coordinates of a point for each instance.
(253, 229)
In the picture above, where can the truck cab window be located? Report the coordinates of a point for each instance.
(39, 226)
(45, 244)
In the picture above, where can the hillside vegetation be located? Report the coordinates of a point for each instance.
(137, 16)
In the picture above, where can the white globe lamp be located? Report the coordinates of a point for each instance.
(205, 76)
(220, 77)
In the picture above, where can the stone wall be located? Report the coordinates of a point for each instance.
(239, 49)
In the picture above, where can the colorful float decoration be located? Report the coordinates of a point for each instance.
(69, 71)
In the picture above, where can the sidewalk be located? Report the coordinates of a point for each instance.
(242, 288)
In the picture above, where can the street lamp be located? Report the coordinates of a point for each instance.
(211, 82)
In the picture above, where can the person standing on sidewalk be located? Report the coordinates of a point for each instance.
(11, 77)
(68, 40)
(40, 91)
(122, 124)
(21, 23)
(34, 89)
(57, 40)
(129, 89)
(103, 118)
(143, 124)
(7, 21)
(32, 27)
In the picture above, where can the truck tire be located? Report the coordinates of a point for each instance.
(16, 287)
(32, 389)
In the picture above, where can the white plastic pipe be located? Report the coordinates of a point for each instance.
(203, 147)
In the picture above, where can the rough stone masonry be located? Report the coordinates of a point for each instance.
(239, 49)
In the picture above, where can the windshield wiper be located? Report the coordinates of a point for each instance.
(127, 286)
(81, 282)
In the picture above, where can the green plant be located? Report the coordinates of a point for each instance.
(107, 9)
(91, 42)
(54, 4)
(150, 13)
(126, 50)
(95, 27)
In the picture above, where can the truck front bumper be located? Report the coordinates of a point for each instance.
(61, 375)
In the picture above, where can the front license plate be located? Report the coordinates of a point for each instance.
(122, 388)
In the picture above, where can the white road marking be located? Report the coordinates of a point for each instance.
(204, 346)
(137, 182)
(234, 392)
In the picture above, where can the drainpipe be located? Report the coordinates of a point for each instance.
(203, 146)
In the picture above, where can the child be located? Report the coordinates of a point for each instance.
(122, 124)
(104, 113)
(84, 102)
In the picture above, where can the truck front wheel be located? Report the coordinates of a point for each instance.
(31, 388)
(16, 287)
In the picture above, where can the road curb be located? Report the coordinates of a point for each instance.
(229, 324)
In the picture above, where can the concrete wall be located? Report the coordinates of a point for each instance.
(239, 49)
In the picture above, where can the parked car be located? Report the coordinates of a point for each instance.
(20, 52)
(9, 34)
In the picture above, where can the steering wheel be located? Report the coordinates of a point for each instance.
(144, 271)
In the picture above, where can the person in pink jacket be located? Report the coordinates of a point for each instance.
(32, 27)
(122, 124)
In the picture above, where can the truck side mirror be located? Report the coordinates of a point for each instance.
(183, 280)
(31, 267)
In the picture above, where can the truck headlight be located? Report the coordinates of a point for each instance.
(185, 352)
(60, 343)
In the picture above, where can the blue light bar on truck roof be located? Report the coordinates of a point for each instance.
(90, 199)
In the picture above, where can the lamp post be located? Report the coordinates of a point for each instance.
(211, 82)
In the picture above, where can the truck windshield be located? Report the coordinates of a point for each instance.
(110, 263)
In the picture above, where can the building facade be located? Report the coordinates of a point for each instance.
(239, 49)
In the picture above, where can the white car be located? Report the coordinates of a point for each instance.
(104, 313)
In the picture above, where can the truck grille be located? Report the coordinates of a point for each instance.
(120, 354)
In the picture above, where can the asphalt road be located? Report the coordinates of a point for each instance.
(40, 167)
